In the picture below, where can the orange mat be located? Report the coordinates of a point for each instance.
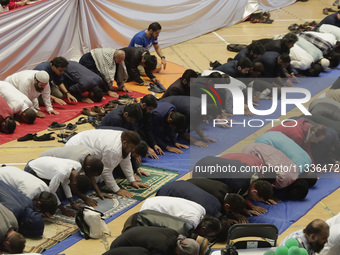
(167, 77)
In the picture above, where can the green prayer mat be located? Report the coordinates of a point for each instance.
(111, 207)
(158, 178)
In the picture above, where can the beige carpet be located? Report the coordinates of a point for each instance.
(54, 232)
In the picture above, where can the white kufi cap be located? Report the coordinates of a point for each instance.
(42, 76)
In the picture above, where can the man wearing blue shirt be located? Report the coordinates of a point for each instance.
(56, 68)
(332, 19)
(147, 38)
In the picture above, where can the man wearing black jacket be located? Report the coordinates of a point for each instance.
(139, 56)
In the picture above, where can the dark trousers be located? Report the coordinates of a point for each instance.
(60, 193)
(88, 61)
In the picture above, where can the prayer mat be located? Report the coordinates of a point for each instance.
(158, 178)
(107, 206)
(54, 232)
(287, 212)
(70, 111)
(66, 113)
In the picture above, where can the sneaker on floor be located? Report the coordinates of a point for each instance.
(56, 126)
(70, 128)
(336, 2)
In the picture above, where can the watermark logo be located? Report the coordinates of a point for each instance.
(209, 90)
(239, 101)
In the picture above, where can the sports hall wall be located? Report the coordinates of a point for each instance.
(69, 28)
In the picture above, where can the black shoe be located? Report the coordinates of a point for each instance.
(126, 96)
(94, 121)
(56, 126)
(214, 65)
(44, 137)
(27, 137)
(65, 140)
(82, 120)
(160, 86)
(71, 128)
(154, 88)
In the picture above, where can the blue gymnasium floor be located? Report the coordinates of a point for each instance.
(282, 215)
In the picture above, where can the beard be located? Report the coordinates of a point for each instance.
(124, 153)
(37, 88)
(316, 247)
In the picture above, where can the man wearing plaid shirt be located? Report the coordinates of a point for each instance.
(312, 238)
(324, 45)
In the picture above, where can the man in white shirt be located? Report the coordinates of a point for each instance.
(30, 186)
(18, 102)
(91, 165)
(175, 206)
(112, 147)
(58, 171)
(33, 84)
(4, 6)
(300, 59)
(332, 247)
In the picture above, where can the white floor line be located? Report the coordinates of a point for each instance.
(271, 35)
(220, 38)
(281, 20)
(13, 164)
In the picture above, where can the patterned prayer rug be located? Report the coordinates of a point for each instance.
(54, 232)
(158, 178)
(108, 207)
(111, 207)
(61, 226)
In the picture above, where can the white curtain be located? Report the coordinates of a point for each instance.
(69, 28)
(269, 5)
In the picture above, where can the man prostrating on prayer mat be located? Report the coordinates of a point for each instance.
(112, 147)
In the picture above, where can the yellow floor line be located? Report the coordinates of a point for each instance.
(188, 58)
(200, 52)
(185, 63)
(326, 207)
